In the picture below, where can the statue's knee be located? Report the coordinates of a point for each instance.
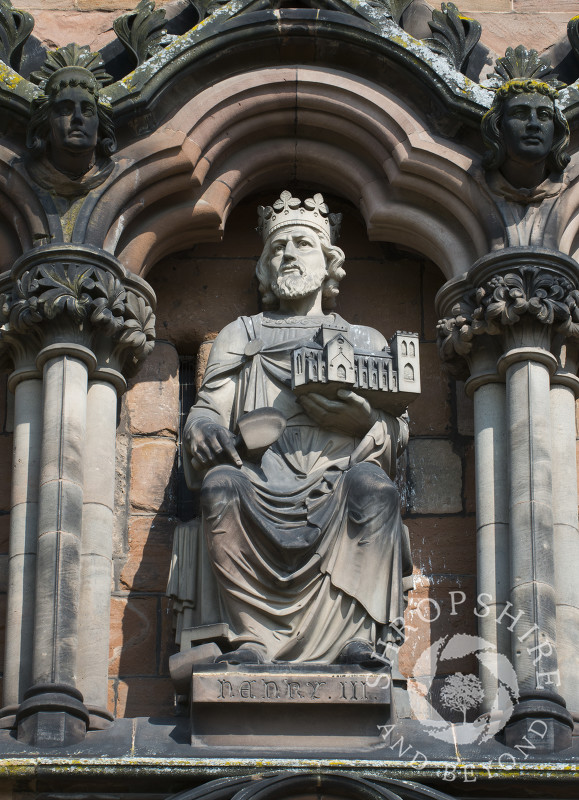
(220, 487)
(369, 479)
(368, 484)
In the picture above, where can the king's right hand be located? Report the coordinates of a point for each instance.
(210, 444)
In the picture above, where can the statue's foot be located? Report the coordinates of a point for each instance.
(244, 655)
(360, 653)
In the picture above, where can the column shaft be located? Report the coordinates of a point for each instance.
(566, 550)
(52, 712)
(492, 503)
(23, 533)
(97, 544)
(531, 518)
(60, 521)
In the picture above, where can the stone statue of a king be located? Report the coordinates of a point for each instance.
(307, 545)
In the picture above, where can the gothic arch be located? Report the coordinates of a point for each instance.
(264, 128)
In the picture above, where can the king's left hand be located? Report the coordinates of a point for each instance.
(349, 413)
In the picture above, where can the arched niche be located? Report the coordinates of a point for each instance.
(338, 132)
(203, 288)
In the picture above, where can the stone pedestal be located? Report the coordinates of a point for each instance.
(310, 707)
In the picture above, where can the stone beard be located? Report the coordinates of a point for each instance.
(307, 548)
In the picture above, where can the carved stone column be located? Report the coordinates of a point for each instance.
(525, 300)
(90, 321)
(26, 384)
(474, 360)
(564, 391)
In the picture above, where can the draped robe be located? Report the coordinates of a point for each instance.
(307, 547)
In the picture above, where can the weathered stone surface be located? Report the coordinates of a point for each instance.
(536, 6)
(133, 636)
(386, 298)
(219, 289)
(500, 30)
(151, 470)
(56, 27)
(150, 544)
(294, 273)
(439, 606)
(309, 687)
(469, 479)
(432, 280)
(5, 471)
(436, 476)
(138, 697)
(443, 545)
(4, 533)
(486, 5)
(430, 412)
(464, 410)
(202, 358)
(168, 644)
(153, 396)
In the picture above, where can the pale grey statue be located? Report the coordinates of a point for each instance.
(306, 545)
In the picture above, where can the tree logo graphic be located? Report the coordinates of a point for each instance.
(461, 693)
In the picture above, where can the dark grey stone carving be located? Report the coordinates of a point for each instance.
(85, 294)
(15, 28)
(505, 300)
(71, 134)
(573, 34)
(526, 137)
(454, 36)
(519, 62)
(292, 583)
(142, 31)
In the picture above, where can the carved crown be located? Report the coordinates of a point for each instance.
(288, 210)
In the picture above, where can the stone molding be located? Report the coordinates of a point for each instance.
(65, 295)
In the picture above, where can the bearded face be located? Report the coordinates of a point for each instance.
(297, 263)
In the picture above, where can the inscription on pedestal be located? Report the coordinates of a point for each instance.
(314, 707)
(314, 687)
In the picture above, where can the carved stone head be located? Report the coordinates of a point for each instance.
(525, 134)
(299, 255)
(68, 123)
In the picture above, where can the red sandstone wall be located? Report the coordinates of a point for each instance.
(506, 23)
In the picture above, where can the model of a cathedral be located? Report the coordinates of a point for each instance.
(389, 379)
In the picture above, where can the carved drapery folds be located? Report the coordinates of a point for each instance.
(73, 321)
(511, 334)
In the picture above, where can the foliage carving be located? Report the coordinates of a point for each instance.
(142, 31)
(505, 300)
(523, 64)
(84, 294)
(15, 28)
(73, 55)
(454, 36)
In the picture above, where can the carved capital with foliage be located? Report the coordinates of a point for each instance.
(80, 295)
(530, 303)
